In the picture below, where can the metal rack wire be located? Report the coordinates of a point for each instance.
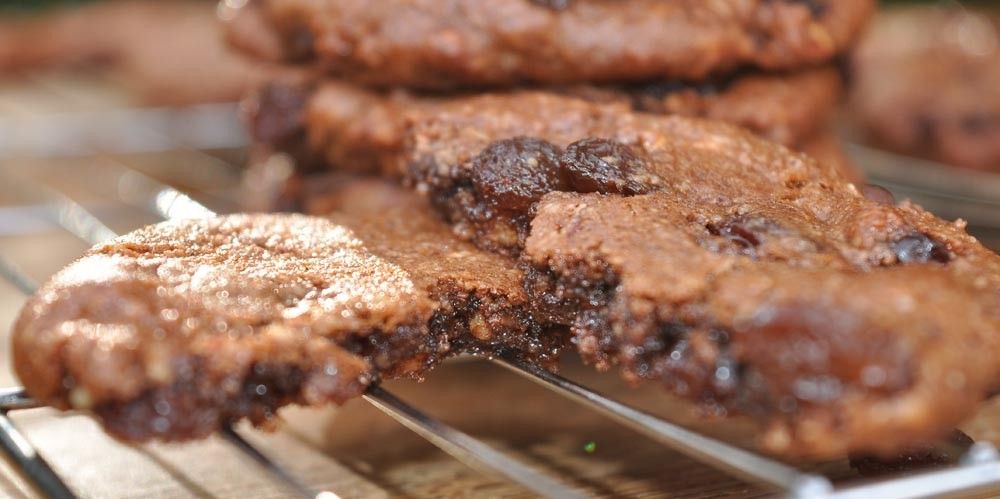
(979, 469)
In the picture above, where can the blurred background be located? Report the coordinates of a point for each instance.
(107, 107)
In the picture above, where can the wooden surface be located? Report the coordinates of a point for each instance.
(354, 451)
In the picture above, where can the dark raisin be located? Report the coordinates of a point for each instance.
(607, 166)
(553, 4)
(513, 174)
(919, 248)
(878, 194)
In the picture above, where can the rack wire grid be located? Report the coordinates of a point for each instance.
(78, 175)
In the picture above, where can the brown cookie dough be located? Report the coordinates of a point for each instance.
(175, 329)
(926, 81)
(348, 127)
(737, 273)
(435, 44)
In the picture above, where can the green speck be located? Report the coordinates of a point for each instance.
(590, 447)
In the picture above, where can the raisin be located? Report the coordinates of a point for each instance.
(513, 174)
(919, 248)
(878, 194)
(607, 166)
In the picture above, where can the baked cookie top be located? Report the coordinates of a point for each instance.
(175, 329)
(462, 43)
(738, 273)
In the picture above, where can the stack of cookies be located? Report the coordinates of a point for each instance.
(764, 65)
(558, 215)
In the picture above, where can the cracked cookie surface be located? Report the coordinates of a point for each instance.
(736, 272)
(175, 329)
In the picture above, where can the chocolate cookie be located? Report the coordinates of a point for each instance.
(739, 274)
(926, 81)
(459, 43)
(177, 328)
(352, 128)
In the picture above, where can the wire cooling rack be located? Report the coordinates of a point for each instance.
(159, 140)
